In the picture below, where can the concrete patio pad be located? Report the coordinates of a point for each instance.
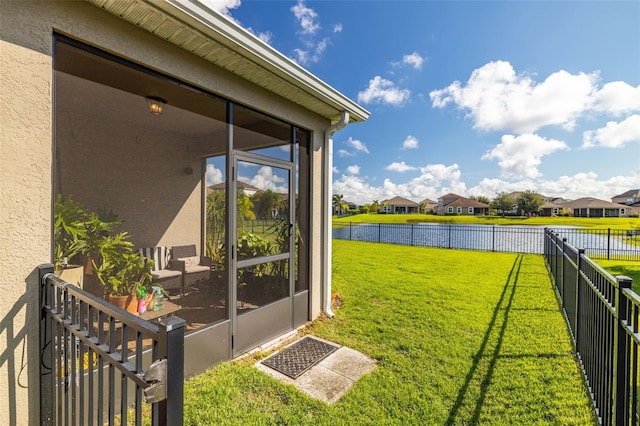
(329, 379)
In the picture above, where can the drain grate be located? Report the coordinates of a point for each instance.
(299, 357)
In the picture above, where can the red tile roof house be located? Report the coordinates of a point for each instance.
(593, 207)
(399, 205)
(83, 85)
(456, 204)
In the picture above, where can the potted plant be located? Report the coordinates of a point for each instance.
(69, 234)
(122, 272)
(78, 235)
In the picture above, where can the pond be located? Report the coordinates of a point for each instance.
(512, 239)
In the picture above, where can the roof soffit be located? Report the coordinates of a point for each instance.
(213, 37)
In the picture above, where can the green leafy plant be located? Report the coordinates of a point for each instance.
(78, 232)
(120, 270)
(69, 231)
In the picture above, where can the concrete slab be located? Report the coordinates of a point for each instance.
(348, 363)
(330, 378)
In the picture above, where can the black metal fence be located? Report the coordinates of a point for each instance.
(602, 313)
(598, 243)
(101, 365)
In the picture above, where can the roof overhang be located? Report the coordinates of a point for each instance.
(212, 36)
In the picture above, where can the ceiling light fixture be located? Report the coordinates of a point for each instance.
(156, 104)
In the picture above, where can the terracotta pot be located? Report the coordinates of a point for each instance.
(127, 303)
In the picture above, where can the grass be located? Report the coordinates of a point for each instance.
(460, 338)
(593, 222)
(621, 267)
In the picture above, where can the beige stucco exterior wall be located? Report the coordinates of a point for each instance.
(26, 137)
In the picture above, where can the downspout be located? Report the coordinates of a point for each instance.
(328, 188)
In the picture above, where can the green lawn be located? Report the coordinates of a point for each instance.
(613, 223)
(460, 337)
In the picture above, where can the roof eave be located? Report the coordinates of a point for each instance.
(206, 22)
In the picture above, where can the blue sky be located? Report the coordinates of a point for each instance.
(474, 97)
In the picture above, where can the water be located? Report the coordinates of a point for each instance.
(513, 239)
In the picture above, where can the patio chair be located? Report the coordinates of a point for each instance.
(166, 272)
(197, 269)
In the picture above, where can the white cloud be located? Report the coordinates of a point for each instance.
(266, 179)
(213, 176)
(266, 36)
(568, 187)
(438, 179)
(335, 170)
(307, 18)
(357, 145)
(383, 91)
(337, 28)
(354, 170)
(614, 135)
(587, 185)
(519, 156)
(222, 6)
(400, 167)
(312, 54)
(497, 98)
(345, 153)
(414, 59)
(435, 180)
(617, 98)
(410, 143)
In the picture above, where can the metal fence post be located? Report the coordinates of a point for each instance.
(576, 332)
(172, 408)
(493, 238)
(608, 243)
(47, 377)
(411, 235)
(350, 236)
(621, 367)
(564, 243)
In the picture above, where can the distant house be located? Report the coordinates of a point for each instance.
(457, 204)
(248, 189)
(398, 205)
(552, 207)
(628, 198)
(344, 207)
(428, 206)
(593, 207)
(549, 208)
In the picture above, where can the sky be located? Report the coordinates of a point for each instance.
(470, 97)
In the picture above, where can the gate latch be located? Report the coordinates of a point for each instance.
(156, 377)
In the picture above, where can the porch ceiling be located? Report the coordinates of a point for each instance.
(215, 38)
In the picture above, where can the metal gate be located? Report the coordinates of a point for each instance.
(102, 365)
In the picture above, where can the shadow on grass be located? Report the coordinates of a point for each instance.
(510, 284)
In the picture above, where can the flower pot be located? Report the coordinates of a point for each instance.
(73, 274)
(127, 303)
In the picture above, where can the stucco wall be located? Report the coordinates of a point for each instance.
(26, 135)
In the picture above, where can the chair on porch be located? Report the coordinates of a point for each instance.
(165, 272)
(197, 269)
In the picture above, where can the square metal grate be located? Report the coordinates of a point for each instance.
(299, 357)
